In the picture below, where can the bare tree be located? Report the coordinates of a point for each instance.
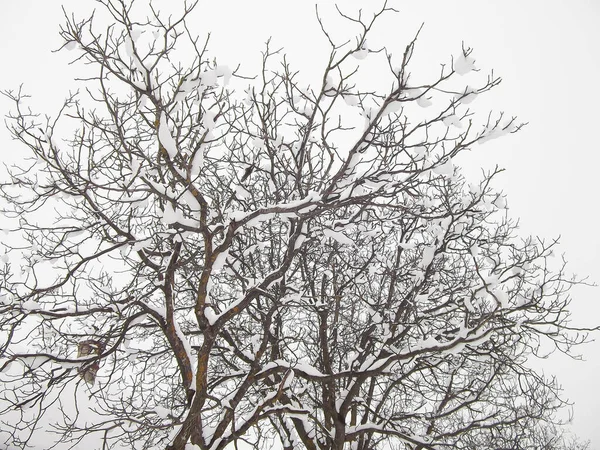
(296, 265)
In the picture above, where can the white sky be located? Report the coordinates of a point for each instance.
(547, 53)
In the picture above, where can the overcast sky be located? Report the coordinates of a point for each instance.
(547, 52)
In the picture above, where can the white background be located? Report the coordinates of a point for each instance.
(547, 52)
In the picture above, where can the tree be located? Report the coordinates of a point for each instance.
(299, 265)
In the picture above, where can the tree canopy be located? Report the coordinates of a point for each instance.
(205, 259)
